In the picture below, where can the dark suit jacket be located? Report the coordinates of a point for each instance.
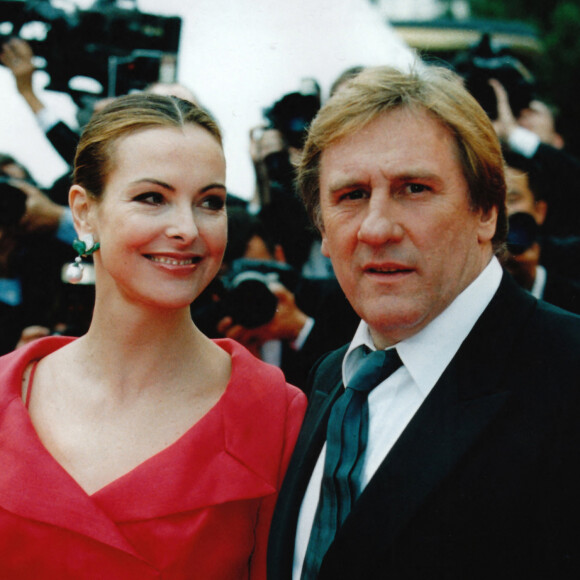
(36, 263)
(64, 140)
(559, 171)
(483, 482)
(562, 292)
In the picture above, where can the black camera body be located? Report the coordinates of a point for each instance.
(292, 115)
(122, 49)
(12, 203)
(483, 63)
(243, 294)
(523, 233)
(246, 295)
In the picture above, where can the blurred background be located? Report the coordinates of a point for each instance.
(239, 56)
(263, 69)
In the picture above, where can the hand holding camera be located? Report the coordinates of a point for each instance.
(286, 324)
(23, 204)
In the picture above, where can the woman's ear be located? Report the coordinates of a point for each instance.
(81, 205)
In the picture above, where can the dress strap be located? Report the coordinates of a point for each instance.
(30, 381)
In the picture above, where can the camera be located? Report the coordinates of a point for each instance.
(483, 63)
(293, 113)
(121, 49)
(523, 232)
(246, 294)
(243, 293)
(12, 203)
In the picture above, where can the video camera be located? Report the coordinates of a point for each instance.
(120, 48)
(485, 62)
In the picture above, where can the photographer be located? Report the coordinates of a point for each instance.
(275, 149)
(309, 316)
(526, 260)
(556, 164)
(31, 257)
(119, 48)
(506, 90)
(43, 215)
(17, 55)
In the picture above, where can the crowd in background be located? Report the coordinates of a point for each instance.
(271, 242)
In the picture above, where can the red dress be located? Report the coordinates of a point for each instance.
(199, 509)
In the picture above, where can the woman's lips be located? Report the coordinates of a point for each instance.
(174, 261)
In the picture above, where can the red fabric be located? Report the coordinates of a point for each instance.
(199, 509)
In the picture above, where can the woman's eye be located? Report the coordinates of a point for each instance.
(213, 202)
(151, 198)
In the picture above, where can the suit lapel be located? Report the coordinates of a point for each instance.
(324, 391)
(469, 395)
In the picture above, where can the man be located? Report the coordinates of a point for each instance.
(527, 211)
(470, 470)
(312, 315)
(529, 136)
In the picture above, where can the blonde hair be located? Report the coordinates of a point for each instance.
(434, 89)
(125, 115)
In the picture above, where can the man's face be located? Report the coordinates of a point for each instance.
(397, 222)
(520, 197)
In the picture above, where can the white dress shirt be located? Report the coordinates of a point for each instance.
(539, 283)
(393, 403)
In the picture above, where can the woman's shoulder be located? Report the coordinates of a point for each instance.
(257, 378)
(261, 412)
(13, 364)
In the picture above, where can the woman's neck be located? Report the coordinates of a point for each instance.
(136, 347)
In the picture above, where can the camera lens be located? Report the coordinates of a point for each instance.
(523, 231)
(250, 302)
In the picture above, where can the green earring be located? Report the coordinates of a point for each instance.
(85, 246)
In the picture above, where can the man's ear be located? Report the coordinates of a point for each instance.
(320, 227)
(279, 255)
(487, 225)
(540, 211)
(81, 205)
(323, 246)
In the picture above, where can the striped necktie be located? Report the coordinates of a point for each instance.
(346, 441)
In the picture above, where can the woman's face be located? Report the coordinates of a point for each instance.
(161, 221)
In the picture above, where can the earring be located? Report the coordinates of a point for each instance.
(85, 246)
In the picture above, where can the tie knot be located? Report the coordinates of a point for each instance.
(373, 369)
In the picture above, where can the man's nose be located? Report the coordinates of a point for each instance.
(382, 221)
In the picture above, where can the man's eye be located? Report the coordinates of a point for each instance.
(354, 195)
(150, 198)
(417, 188)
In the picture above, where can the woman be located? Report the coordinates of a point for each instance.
(143, 449)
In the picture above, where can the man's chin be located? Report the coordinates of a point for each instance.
(389, 330)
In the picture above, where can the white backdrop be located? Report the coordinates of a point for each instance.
(238, 56)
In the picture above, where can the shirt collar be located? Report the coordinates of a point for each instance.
(428, 353)
(539, 282)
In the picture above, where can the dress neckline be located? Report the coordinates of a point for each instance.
(29, 383)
